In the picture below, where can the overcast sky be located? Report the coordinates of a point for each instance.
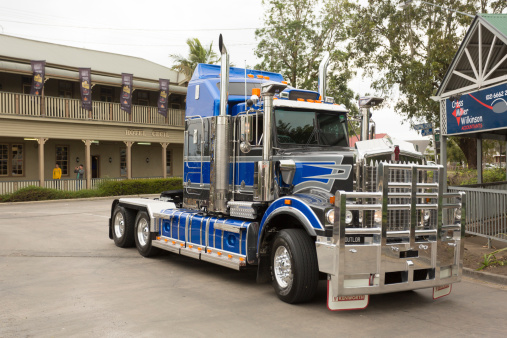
(154, 29)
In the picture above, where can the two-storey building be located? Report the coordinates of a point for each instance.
(38, 132)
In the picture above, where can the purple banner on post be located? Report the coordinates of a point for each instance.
(126, 92)
(163, 97)
(38, 69)
(85, 80)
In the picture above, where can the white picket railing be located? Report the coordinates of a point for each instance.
(56, 107)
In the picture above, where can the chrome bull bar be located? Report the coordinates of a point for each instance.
(422, 256)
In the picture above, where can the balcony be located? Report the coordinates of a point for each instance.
(61, 108)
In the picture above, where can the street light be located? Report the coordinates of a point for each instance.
(405, 4)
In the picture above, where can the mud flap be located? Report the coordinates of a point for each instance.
(441, 291)
(340, 303)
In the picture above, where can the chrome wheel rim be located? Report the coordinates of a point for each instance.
(119, 225)
(282, 267)
(143, 231)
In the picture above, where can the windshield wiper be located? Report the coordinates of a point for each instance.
(313, 133)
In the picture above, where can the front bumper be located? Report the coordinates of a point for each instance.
(391, 261)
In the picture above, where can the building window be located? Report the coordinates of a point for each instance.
(62, 158)
(143, 98)
(106, 94)
(4, 159)
(168, 162)
(27, 85)
(12, 159)
(123, 162)
(65, 89)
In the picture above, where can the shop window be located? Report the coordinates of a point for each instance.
(65, 89)
(17, 155)
(168, 162)
(4, 159)
(123, 162)
(62, 158)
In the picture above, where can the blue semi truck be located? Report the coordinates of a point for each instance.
(271, 183)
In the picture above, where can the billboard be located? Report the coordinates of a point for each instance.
(482, 110)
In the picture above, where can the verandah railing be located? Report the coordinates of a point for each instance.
(56, 107)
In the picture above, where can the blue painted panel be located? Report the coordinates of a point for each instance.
(309, 171)
(478, 111)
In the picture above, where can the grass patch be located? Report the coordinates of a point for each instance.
(107, 188)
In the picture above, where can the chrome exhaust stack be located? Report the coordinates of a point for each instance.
(323, 76)
(220, 133)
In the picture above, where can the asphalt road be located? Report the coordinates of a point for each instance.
(61, 276)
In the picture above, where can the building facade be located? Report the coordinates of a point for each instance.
(38, 132)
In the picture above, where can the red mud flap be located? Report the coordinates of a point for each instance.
(345, 302)
(441, 291)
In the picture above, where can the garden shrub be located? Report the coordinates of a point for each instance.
(107, 188)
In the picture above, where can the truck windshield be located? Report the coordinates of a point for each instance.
(304, 127)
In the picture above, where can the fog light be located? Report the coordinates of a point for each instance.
(426, 215)
(348, 217)
(457, 214)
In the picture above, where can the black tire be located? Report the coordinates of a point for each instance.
(123, 227)
(142, 235)
(295, 274)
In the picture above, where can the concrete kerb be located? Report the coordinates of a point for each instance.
(485, 276)
(84, 199)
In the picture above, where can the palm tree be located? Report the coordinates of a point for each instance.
(198, 54)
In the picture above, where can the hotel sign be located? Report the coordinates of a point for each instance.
(482, 110)
(153, 133)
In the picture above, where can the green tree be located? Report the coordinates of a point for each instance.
(295, 35)
(410, 50)
(197, 54)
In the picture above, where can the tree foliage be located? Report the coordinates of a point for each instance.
(411, 49)
(292, 42)
(197, 54)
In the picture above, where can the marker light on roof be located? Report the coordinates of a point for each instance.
(266, 77)
(260, 76)
(250, 76)
(284, 82)
(300, 99)
(310, 100)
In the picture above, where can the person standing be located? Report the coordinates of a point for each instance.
(80, 175)
(57, 175)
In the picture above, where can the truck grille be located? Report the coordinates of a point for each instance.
(399, 220)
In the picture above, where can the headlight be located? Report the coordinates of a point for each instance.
(330, 216)
(426, 215)
(457, 214)
(348, 217)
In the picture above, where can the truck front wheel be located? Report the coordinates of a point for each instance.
(143, 235)
(123, 233)
(294, 266)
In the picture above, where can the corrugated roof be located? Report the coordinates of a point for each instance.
(498, 21)
(66, 57)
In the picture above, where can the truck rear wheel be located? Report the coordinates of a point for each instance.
(294, 266)
(143, 236)
(123, 232)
